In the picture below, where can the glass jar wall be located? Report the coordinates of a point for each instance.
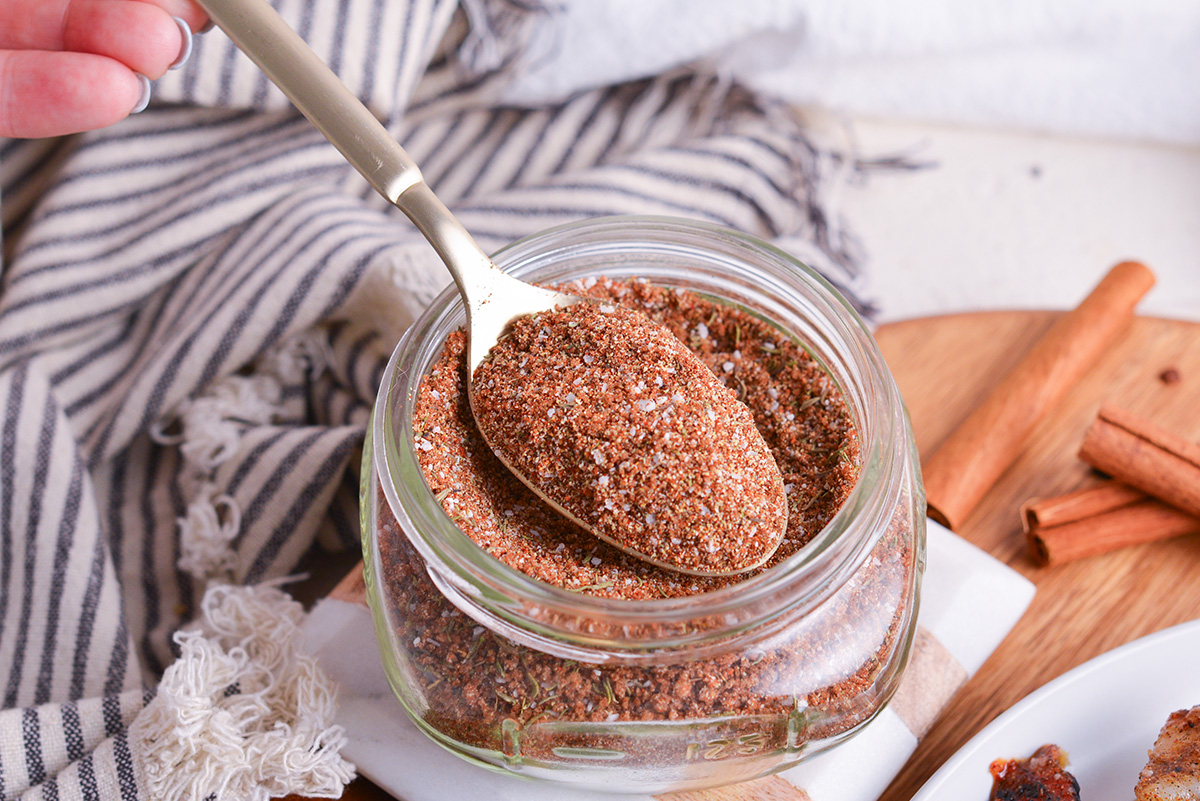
(696, 689)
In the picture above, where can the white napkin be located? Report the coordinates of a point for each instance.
(969, 602)
(1106, 68)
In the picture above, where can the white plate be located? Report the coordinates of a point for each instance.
(1105, 714)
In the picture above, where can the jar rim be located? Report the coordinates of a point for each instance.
(456, 558)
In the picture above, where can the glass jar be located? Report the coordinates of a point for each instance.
(794, 660)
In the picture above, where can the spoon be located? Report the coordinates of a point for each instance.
(493, 299)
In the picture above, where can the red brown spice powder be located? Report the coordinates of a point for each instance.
(610, 416)
(472, 681)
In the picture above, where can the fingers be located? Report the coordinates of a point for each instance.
(138, 33)
(186, 10)
(49, 94)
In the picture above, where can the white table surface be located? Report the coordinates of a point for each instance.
(1021, 221)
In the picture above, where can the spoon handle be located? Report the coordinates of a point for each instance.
(287, 60)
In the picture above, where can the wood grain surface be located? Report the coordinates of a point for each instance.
(944, 366)
(1082, 609)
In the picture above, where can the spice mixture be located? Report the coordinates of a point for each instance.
(609, 415)
(810, 679)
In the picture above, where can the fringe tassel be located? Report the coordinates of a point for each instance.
(242, 713)
(206, 536)
(210, 430)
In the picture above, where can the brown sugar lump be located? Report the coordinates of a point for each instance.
(611, 418)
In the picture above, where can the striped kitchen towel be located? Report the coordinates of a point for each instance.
(195, 309)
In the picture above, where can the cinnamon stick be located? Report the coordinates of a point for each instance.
(1098, 520)
(1146, 456)
(968, 463)
(1079, 505)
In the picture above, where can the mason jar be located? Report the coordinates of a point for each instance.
(666, 693)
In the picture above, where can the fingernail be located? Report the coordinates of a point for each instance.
(206, 27)
(185, 51)
(144, 100)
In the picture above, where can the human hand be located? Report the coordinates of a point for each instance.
(76, 65)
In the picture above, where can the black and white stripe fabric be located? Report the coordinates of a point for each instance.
(196, 307)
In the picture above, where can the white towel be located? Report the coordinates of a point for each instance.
(1104, 68)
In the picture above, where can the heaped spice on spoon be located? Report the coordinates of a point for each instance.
(612, 418)
(796, 406)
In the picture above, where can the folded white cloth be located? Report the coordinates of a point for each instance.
(969, 602)
(1105, 68)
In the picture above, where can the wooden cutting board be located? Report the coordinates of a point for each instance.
(944, 367)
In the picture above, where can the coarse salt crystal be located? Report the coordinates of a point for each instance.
(595, 560)
(727, 367)
(550, 412)
(589, 282)
(611, 717)
(607, 309)
(588, 358)
(651, 519)
(702, 331)
(602, 481)
(678, 397)
(561, 547)
(772, 392)
(645, 405)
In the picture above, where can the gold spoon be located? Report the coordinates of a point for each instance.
(493, 299)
